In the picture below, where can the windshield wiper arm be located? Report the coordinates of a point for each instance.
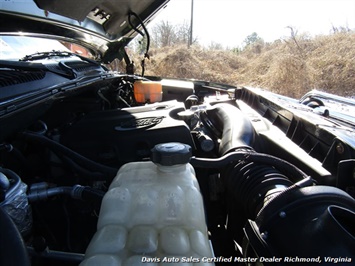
(28, 66)
(44, 55)
(69, 72)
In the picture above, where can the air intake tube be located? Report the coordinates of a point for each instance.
(228, 123)
(251, 181)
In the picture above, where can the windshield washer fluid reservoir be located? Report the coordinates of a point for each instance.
(152, 214)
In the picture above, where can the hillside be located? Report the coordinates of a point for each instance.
(290, 66)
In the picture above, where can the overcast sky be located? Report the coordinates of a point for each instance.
(229, 22)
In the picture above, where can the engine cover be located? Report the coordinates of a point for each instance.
(115, 137)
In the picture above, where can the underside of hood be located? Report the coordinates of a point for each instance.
(102, 26)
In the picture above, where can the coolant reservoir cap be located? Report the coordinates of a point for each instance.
(171, 153)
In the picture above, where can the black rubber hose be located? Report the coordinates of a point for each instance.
(56, 147)
(249, 184)
(146, 55)
(250, 156)
(231, 126)
(44, 194)
(82, 171)
(75, 192)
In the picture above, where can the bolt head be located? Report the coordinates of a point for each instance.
(340, 148)
(282, 214)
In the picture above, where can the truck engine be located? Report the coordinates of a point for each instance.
(204, 174)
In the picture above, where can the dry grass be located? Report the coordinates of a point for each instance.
(194, 63)
(291, 66)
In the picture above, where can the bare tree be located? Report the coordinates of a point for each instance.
(182, 33)
(294, 39)
(166, 34)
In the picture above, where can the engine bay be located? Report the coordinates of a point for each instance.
(274, 184)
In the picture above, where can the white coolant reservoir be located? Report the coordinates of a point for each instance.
(152, 214)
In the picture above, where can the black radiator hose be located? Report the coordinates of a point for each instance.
(42, 191)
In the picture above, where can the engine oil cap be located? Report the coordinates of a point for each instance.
(171, 153)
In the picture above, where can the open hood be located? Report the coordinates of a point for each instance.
(102, 26)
